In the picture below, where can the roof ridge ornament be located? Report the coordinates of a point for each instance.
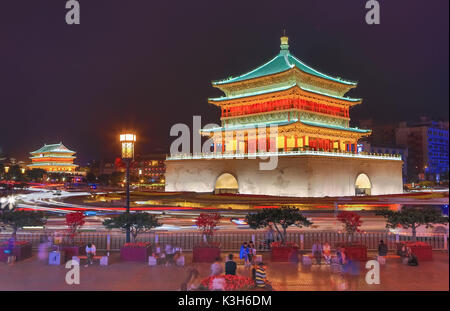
(284, 42)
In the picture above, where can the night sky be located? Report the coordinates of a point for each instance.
(147, 65)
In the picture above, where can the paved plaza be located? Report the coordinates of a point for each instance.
(33, 274)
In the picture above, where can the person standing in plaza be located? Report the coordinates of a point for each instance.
(317, 252)
(10, 250)
(192, 282)
(270, 237)
(251, 252)
(90, 253)
(216, 267)
(230, 266)
(327, 253)
(243, 253)
(382, 252)
(169, 254)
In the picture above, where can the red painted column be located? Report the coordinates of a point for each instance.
(223, 142)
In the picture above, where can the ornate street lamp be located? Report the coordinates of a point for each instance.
(127, 141)
(6, 169)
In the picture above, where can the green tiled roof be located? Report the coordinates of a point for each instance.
(336, 127)
(282, 88)
(280, 63)
(281, 123)
(53, 148)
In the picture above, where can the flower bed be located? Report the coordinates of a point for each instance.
(356, 252)
(287, 252)
(139, 251)
(138, 244)
(21, 249)
(232, 282)
(73, 250)
(205, 252)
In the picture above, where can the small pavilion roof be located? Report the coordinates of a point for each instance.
(282, 62)
(59, 148)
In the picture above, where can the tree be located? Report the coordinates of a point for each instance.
(104, 179)
(137, 222)
(413, 217)
(16, 219)
(15, 173)
(207, 223)
(35, 174)
(90, 178)
(283, 217)
(74, 221)
(351, 221)
(117, 178)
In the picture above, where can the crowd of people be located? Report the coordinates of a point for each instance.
(408, 257)
(247, 254)
(167, 256)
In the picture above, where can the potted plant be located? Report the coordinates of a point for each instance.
(412, 218)
(136, 222)
(74, 221)
(16, 219)
(207, 251)
(280, 219)
(352, 222)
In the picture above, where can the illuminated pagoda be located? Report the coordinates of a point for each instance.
(308, 107)
(55, 158)
(315, 146)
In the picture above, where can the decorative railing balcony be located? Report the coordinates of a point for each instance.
(263, 154)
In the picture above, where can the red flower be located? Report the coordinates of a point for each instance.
(16, 243)
(417, 244)
(74, 221)
(286, 244)
(232, 282)
(138, 244)
(207, 223)
(351, 220)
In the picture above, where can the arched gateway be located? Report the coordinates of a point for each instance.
(226, 183)
(363, 186)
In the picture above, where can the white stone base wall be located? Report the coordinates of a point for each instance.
(297, 176)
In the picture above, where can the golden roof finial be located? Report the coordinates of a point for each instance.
(284, 41)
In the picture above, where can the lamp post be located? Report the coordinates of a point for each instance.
(127, 141)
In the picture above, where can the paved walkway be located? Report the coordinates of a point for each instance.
(32, 274)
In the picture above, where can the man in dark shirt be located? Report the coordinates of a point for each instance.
(230, 265)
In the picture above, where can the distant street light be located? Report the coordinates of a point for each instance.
(22, 170)
(127, 141)
(6, 169)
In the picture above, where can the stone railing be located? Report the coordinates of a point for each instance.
(263, 154)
